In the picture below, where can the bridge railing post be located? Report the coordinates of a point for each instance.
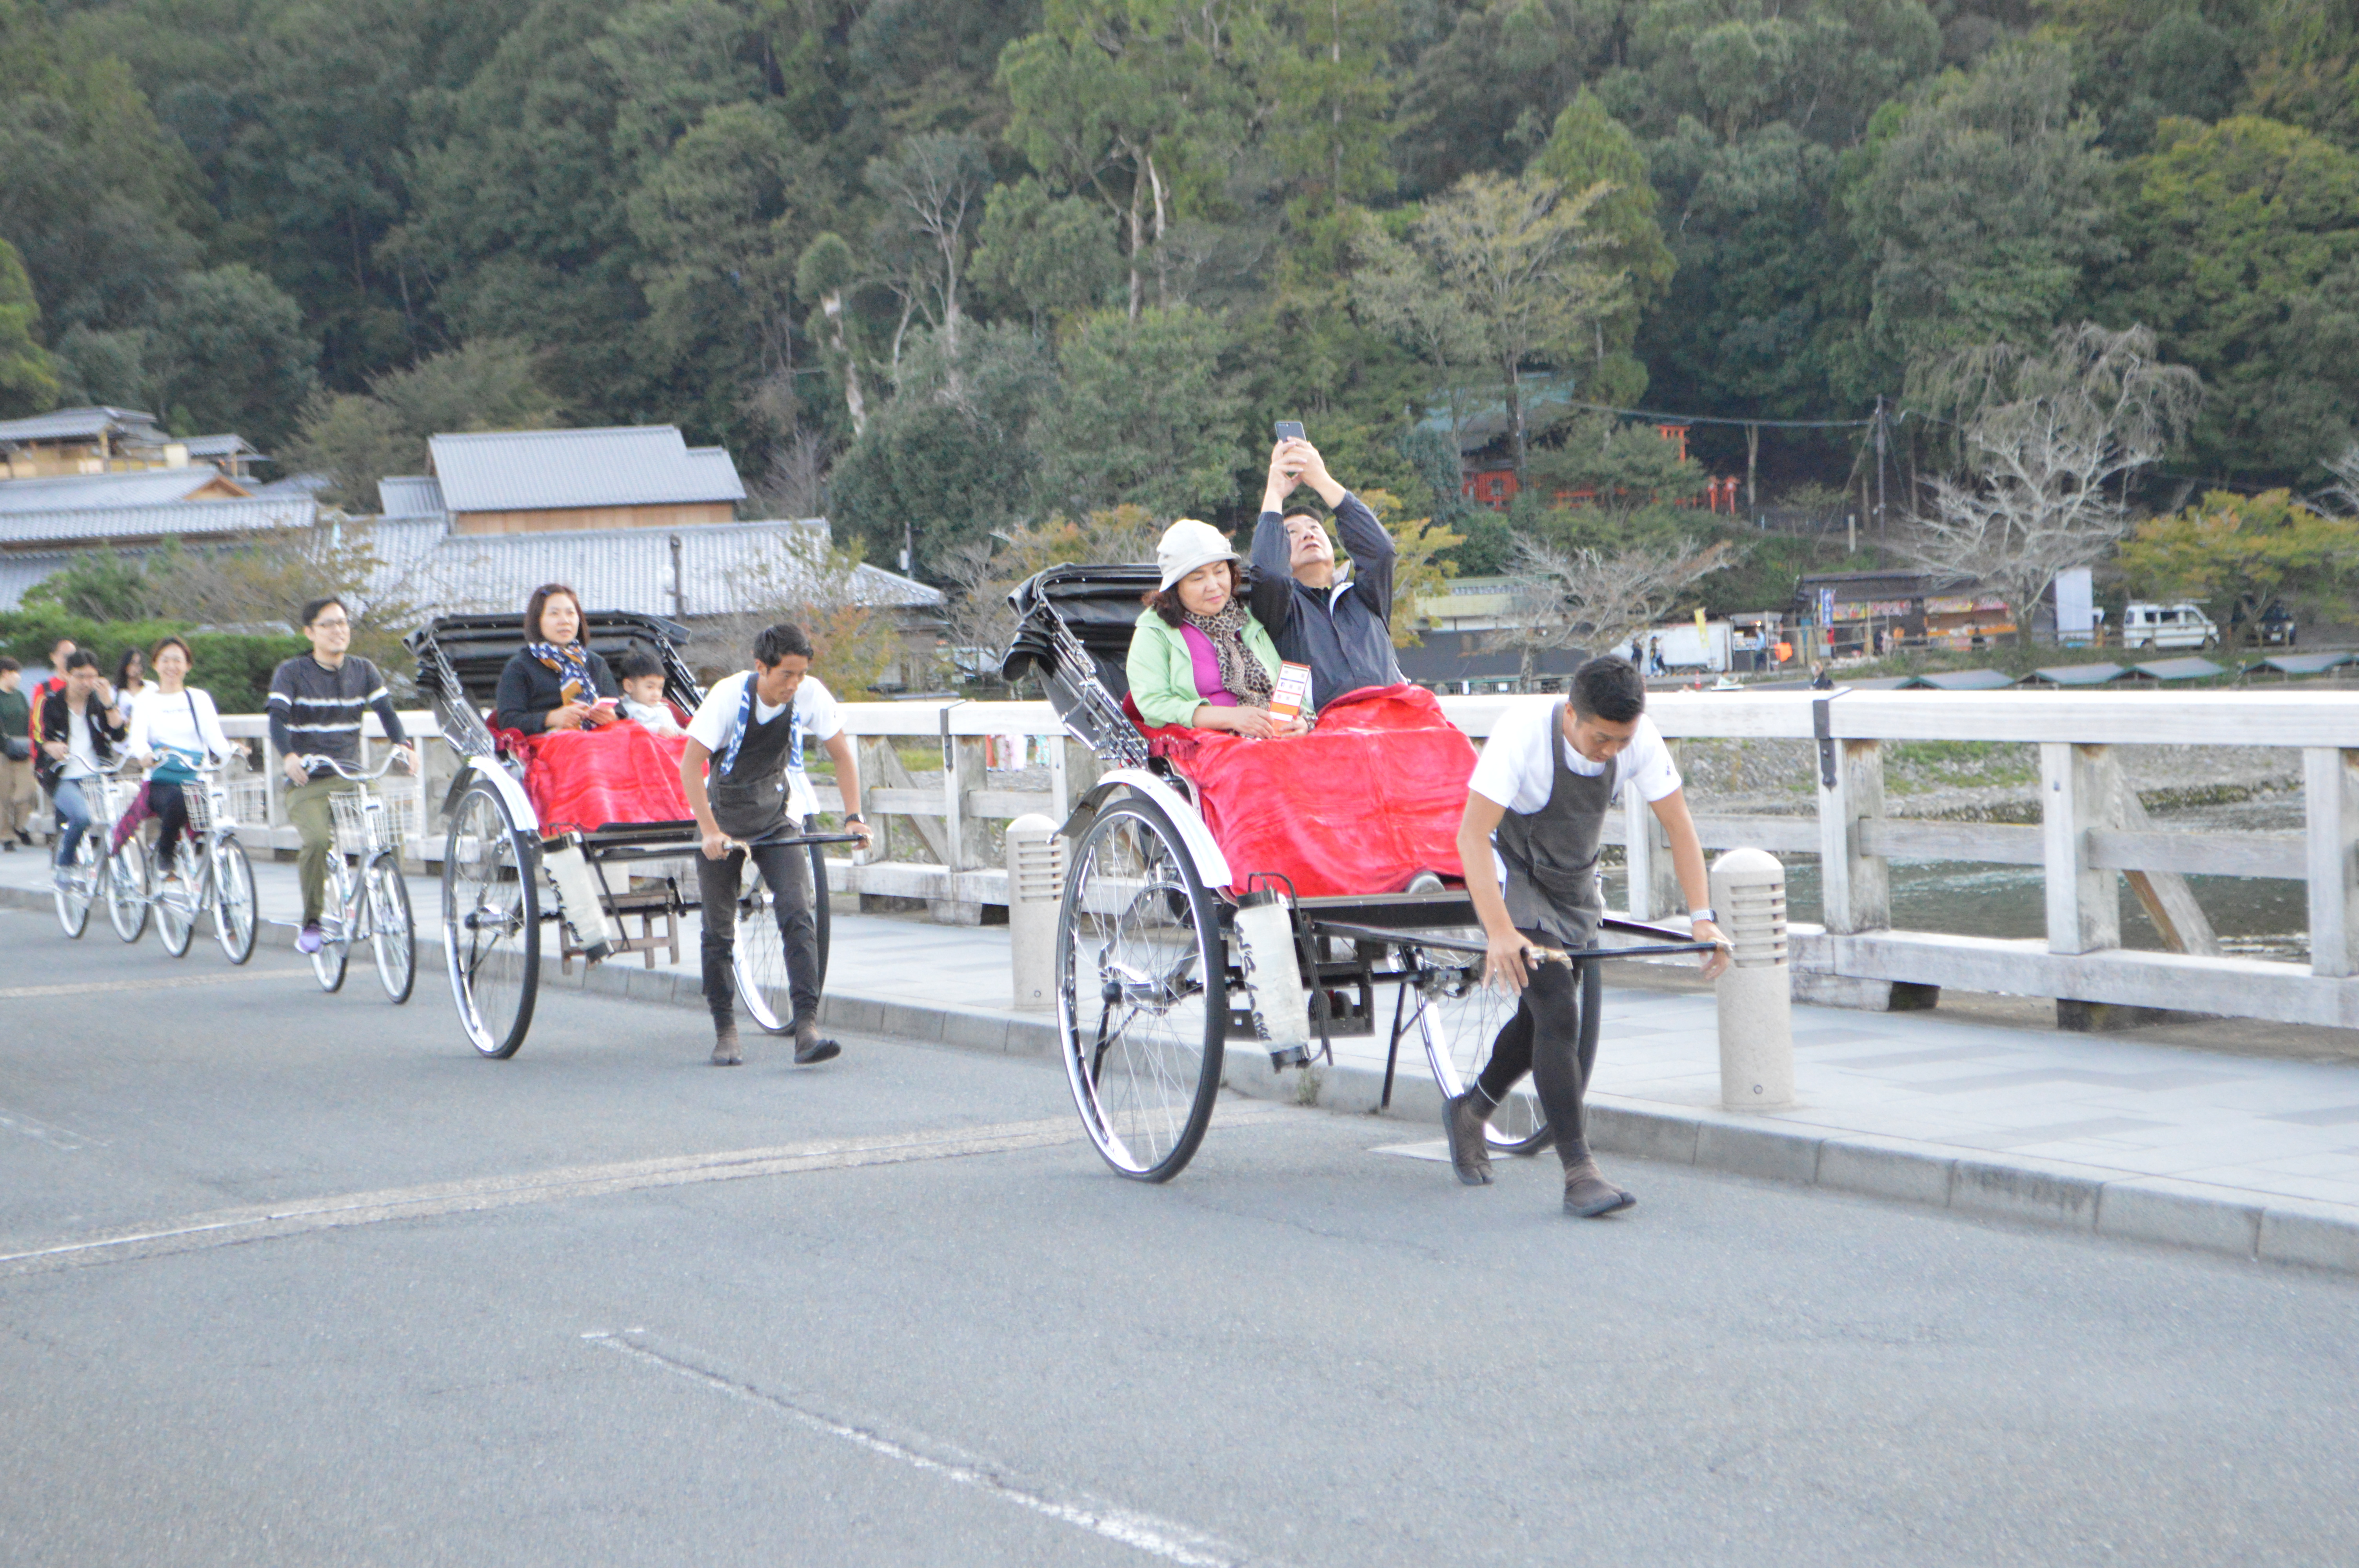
(1855, 886)
(2330, 777)
(2076, 794)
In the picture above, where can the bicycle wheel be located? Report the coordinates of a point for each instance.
(759, 959)
(233, 900)
(1459, 1018)
(491, 923)
(128, 889)
(1142, 992)
(335, 954)
(393, 935)
(74, 892)
(176, 904)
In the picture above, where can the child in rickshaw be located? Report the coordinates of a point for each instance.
(643, 694)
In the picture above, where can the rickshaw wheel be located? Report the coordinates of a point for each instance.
(1461, 1018)
(1142, 994)
(760, 961)
(491, 923)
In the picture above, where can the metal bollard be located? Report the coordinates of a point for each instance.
(1756, 992)
(1036, 886)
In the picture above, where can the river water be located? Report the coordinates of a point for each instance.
(2258, 917)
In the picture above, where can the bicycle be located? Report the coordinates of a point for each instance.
(373, 905)
(101, 872)
(216, 877)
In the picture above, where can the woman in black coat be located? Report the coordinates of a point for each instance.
(554, 681)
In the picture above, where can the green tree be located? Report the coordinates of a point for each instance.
(230, 353)
(28, 377)
(2135, 62)
(937, 468)
(824, 274)
(1329, 131)
(931, 187)
(1148, 412)
(2238, 553)
(98, 200)
(1142, 104)
(1984, 209)
(2244, 256)
(1484, 93)
(1516, 255)
(1050, 257)
(1588, 147)
(357, 438)
(722, 219)
(2308, 72)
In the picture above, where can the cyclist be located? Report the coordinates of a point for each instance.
(81, 725)
(176, 728)
(316, 702)
(751, 727)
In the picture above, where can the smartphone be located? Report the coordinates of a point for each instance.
(1289, 429)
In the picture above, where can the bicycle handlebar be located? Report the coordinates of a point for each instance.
(351, 775)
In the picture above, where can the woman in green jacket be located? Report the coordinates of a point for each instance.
(1199, 657)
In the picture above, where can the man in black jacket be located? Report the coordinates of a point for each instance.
(1341, 627)
(79, 725)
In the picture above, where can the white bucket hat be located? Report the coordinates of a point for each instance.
(1188, 545)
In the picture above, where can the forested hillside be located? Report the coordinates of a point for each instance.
(965, 262)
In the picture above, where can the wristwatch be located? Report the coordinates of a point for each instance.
(855, 816)
(1703, 914)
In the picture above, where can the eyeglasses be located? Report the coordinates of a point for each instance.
(324, 625)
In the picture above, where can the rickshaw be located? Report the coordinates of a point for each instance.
(1166, 951)
(511, 882)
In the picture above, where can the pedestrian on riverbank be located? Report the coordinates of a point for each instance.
(316, 702)
(1536, 810)
(743, 771)
(20, 796)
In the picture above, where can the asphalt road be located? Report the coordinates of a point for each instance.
(291, 1278)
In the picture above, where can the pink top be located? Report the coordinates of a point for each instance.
(1206, 661)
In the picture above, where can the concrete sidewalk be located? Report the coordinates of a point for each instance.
(2246, 1155)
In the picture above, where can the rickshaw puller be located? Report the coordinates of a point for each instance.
(750, 728)
(1539, 797)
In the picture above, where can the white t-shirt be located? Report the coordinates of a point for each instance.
(184, 721)
(817, 717)
(81, 752)
(1517, 770)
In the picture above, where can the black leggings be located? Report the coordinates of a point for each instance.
(171, 809)
(1550, 1038)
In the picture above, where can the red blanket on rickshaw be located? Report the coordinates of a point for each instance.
(1365, 801)
(591, 778)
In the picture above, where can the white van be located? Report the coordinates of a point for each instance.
(2167, 626)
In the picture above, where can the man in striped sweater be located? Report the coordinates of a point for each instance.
(316, 702)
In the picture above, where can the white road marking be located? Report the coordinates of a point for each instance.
(302, 1215)
(1162, 1538)
(93, 988)
(1438, 1149)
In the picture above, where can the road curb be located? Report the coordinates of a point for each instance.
(2155, 1210)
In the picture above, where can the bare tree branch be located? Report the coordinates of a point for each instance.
(2050, 439)
(1584, 599)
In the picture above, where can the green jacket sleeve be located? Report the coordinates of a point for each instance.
(1162, 677)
